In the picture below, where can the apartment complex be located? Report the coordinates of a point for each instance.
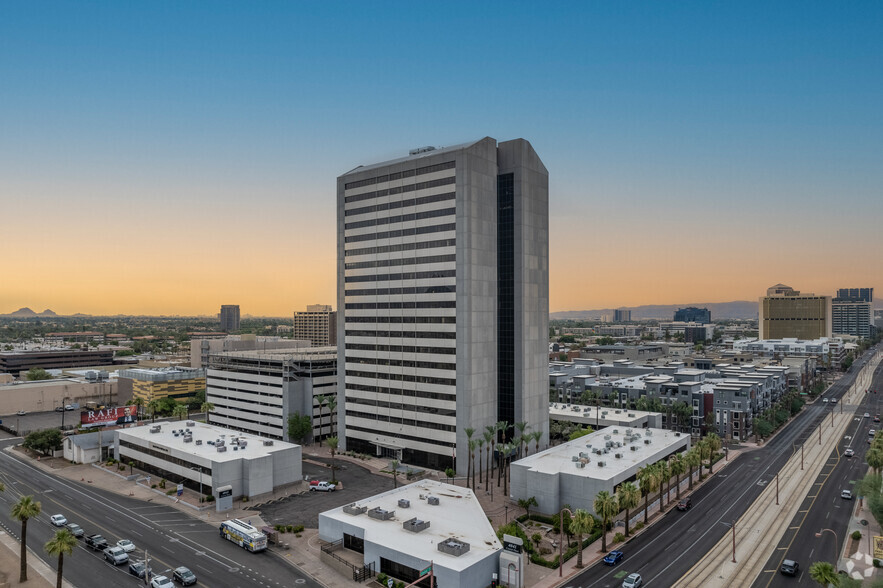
(256, 391)
(852, 312)
(786, 313)
(443, 281)
(229, 317)
(317, 324)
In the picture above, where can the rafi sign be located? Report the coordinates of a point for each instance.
(117, 415)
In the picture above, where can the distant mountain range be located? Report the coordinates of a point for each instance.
(27, 313)
(738, 309)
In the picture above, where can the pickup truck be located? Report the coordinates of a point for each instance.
(322, 487)
(96, 542)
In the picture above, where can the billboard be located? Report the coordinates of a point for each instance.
(117, 415)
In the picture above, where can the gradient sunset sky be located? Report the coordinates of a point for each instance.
(170, 157)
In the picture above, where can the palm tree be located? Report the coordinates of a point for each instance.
(332, 445)
(522, 427)
(526, 503)
(139, 402)
(704, 453)
(488, 437)
(874, 457)
(664, 473)
(693, 459)
(394, 464)
(824, 573)
(714, 445)
(500, 427)
(606, 507)
(480, 442)
(332, 413)
(629, 497)
(678, 467)
(63, 543)
(152, 407)
(537, 437)
(180, 412)
(26, 508)
(206, 408)
(469, 433)
(649, 482)
(581, 524)
(472, 444)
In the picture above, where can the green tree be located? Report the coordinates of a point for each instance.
(693, 459)
(25, 509)
(704, 453)
(332, 413)
(152, 408)
(649, 482)
(450, 473)
(36, 373)
(394, 465)
(473, 443)
(714, 445)
(581, 524)
(181, 412)
(470, 455)
(678, 468)
(874, 457)
(480, 443)
(63, 543)
(332, 445)
(628, 496)
(206, 409)
(580, 432)
(824, 573)
(762, 428)
(488, 436)
(522, 428)
(664, 473)
(46, 441)
(606, 507)
(526, 503)
(299, 426)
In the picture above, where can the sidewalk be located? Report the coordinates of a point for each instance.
(40, 575)
(860, 563)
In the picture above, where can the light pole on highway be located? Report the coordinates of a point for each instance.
(734, 541)
(836, 540)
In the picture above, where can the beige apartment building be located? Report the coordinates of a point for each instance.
(787, 313)
(317, 324)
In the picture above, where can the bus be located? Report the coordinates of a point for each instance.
(243, 534)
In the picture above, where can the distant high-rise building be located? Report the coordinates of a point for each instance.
(786, 313)
(317, 324)
(229, 318)
(691, 314)
(622, 315)
(852, 312)
(443, 290)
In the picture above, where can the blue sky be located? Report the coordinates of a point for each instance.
(743, 135)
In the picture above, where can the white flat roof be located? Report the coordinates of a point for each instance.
(607, 416)
(458, 516)
(205, 433)
(560, 458)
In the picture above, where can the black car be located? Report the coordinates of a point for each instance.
(685, 504)
(138, 568)
(96, 542)
(184, 575)
(789, 567)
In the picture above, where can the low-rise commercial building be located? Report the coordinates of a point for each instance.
(600, 416)
(402, 531)
(202, 347)
(574, 472)
(180, 383)
(206, 457)
(15, 362)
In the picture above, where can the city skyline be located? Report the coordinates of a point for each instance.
(166, 159)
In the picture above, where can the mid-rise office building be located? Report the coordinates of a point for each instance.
(622, 315)
(443, 287)
(229, 318)
(318, 324)
(852, 312)
(786, 313)
(202, 347)
(856, 294)
(691, 314)
(180, 383)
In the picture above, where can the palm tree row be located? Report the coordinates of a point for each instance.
(490, 439)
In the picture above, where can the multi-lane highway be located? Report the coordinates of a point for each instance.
(675, 543)
(171, 537)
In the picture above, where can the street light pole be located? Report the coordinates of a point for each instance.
(836, 541)
(777, 488)
(561, 541)
(734, 541)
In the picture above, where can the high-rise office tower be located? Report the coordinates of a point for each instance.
(786, 313)
(691, 314)
(317, 324)
(852, 312)
(443, 295)
(622, 315)
(229, 318)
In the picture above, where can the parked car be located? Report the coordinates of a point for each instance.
(96, 542)
(59, 409)
(685, 504)
(825, 400)
(126, 545)
(58, 520)
(184, 575)
(867, 414)
(613, 558)
(849, 452)
(69, 407)
(322, 487)
(872, 432)
(116, 555)
(161, 582)
(22, 413)
(876, 418)
(633, 581)
(76, 530)
(789, 567)
(139, 568)
(846, 494)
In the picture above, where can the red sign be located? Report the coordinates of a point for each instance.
(108, 416)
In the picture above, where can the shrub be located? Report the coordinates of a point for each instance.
(209, 498)
(856, 535)
(170, 492)
(545, 551)
(153, 485)
(298, 529)
(289, 528)
(381, 577)
(876, 563)
(618, 538)
(639, 525)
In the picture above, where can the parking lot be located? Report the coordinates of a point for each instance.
(304, 509)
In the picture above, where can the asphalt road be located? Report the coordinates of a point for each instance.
(667, 550)
(173, 538)
(823, 508)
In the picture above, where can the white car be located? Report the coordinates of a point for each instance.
(825, 400)
(867, 415)
(161, 582)
(849, 452)
(58, 520)
(22, 413)
(846, 494)
(633, 581)
(127, 545)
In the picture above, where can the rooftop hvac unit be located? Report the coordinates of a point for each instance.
(235, 448)
(633, 447)
(191, 424)
(580, 464)
(648, 432)
(583, 454)
(156, 429)
(221, 448)
(600, 464)
(268, 442)
(243, 443)
(618, 456)
(616, 431)
(632, 415)
(574, 458)
(677, 434)
(199, 441)
(188, 439)
(404, 503)
(433, 500)
(220, 442)
(647, 441)
(607, 437)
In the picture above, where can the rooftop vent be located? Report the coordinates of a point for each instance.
(433, 500)
(420, 150)
(574, 458)
(647, 441)
(155, 429)
(352, 509)
(268, 442)
(633, 447)
(221, 448)
(188, 439)
(618, 456)
(415, 525)
(191, 424)
(580, 464)
(199, 441)
(453, 547)
(404, 503)
(381, 514)
(601, 464)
